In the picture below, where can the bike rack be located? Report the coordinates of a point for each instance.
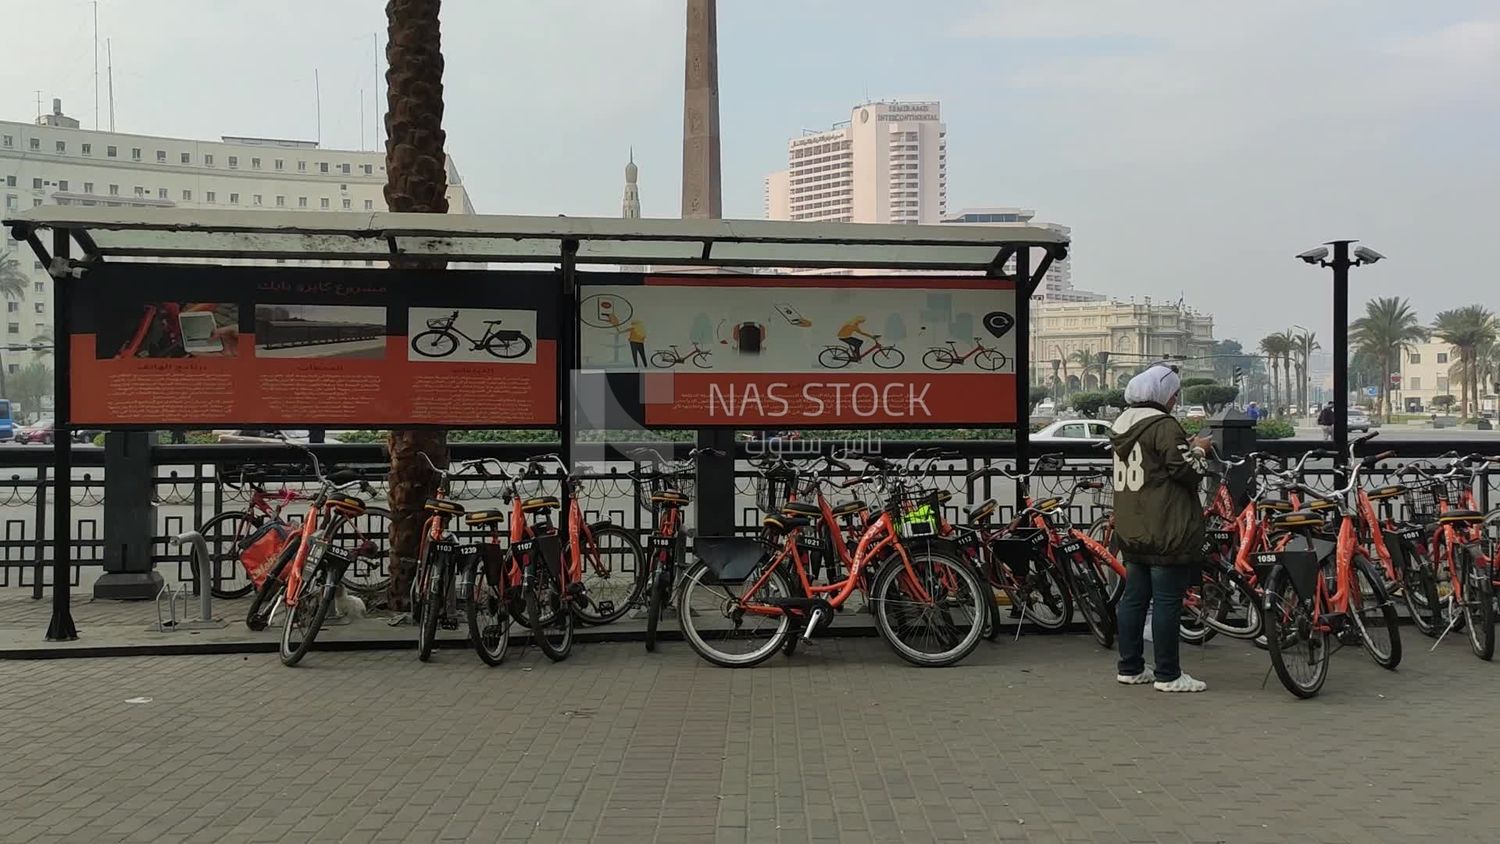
(204, 566)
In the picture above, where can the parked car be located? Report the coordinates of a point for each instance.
(1196, 411)
(40, 431)
(1359, 420)
(1046, 407)
(1070, 430)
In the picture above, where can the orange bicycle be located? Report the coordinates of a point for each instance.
(1325, 591)
(929, 605)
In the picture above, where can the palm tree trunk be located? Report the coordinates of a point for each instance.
(416, 181)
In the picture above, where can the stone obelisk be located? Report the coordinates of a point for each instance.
(701, 199)
(701, 193)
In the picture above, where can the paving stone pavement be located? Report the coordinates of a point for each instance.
(1025, 741)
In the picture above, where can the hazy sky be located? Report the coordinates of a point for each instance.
(1193, 145)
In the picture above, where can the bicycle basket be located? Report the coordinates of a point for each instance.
(259, 550)
(437, 323)
(774, 490)
(916, 511)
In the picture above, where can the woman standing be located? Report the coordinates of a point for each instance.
(1159, 524)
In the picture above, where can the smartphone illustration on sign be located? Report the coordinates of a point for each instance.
(792, 315)
(198, 333)
(608, 314)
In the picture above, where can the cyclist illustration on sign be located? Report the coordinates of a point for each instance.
(853, 348)
(441, 339)
(637, 338)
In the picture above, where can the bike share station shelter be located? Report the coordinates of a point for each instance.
(193, 319)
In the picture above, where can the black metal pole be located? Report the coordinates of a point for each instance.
(1341, 266)
(61, 627)
(567, 348)
(1023, 367)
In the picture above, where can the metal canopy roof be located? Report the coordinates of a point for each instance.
(315, 235)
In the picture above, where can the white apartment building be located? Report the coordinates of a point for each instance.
(887, 164)
(1426, 373)
(1057, 284)
(54, 161)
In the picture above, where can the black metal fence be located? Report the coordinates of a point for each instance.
(191, 483)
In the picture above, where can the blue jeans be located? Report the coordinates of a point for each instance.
(1161, 588)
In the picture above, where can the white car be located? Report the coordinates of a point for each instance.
(1196, 411)
(1072, 430)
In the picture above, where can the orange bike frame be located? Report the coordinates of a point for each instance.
(880, 535)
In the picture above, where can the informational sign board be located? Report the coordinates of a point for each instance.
(797, 351)
(169, 345)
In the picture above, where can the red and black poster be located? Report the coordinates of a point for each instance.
(799, 351)
(156, 344)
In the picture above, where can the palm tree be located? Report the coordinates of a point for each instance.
(1086, 361)
(1388, 328)
(1304, 343)
(13, 285)
(1275, 347)
(416, 180)
(1467, 329)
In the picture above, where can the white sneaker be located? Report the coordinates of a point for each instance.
(1183, 683)
(1136, 679)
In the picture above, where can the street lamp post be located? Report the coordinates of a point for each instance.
(1340, 265)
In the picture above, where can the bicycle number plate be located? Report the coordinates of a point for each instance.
(811, 543)
(525, 546)
(444, 547)
(663, 543)
(1411, 534)
(468, 553)
(1070, 547)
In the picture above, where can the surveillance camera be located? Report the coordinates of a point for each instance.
(1313, 256)
(1366, 255)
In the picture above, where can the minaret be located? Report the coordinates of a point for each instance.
(630, 208)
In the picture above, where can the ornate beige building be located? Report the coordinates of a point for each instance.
(1134, 334)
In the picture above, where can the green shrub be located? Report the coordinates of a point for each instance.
(1192, 426)
(1275, 429)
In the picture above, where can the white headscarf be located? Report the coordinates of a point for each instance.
(1156, 385)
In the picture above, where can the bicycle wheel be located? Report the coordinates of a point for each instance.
(1192, 628)
(663, 360)
(271, 589)
(1478, 604)
(1299, 653)
(366, 539)
(1042, 597)
(1375, 615)
(303, 621)
(660, 586)
(1102, 530)
(938, 359)
(551, 623)
(223, 534)
(1420, 591)
(835, 357)
(1092, 604)
(1229, 606)
(434, 344)
(931, 614)
(489, 625)
(715, 625)
(702, 360)
(991, 360)
(509, 348)
(429, 583)
(888, 358)
(612, 563)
